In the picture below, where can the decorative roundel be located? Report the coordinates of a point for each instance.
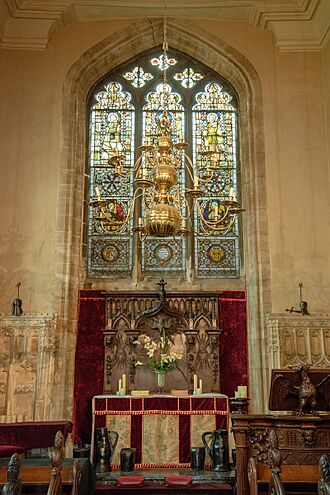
(163, 253)
(110, 253)
(215, 253)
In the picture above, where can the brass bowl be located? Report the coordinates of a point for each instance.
(161, 220)
(164, 176)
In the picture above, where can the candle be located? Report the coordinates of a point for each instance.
(124, 384)
(200, 386)
(144, 173)
(119, 386)
(183, 223)
(140, 222)
(231, 193)
(242, 390)
(195, 383)
(196, 182)
(97, 190)
(216, 211)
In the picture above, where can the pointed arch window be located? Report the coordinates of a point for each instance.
(125, 110)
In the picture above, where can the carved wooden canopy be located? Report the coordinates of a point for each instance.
(191, 323)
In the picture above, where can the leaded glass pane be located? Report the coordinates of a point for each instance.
(111, 133)
(215, 130)
(138, 77)
(163, 62)
(188, 77)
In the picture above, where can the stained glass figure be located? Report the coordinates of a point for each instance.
(188, 77)
(163, 62)
(138, 77)
(167, 256)
(215, 135)
(111, 136)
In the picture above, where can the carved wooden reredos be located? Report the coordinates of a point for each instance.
(190, 321)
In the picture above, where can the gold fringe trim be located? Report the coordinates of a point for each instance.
(158, 411)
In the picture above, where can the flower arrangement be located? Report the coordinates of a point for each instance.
(159, 359)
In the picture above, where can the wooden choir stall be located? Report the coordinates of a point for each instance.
(300, 428)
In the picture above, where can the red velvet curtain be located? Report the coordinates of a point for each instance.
(89, 361)
(233, 341)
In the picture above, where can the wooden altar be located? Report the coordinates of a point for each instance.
(162, 428)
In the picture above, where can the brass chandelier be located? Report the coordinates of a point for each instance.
(167, 204)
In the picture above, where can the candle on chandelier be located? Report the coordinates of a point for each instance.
(98, 194)
(231, 193)
(196, 182)
(144, 173)
(216, 212)
(140, 223)
(183, 224)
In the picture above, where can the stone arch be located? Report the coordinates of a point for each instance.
(92, 66)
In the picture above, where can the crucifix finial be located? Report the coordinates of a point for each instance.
(162, 291)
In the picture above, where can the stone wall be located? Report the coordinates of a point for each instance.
(285, 175)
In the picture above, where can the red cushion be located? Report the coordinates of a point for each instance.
(130, 481)
(9, 450)
(178, 481)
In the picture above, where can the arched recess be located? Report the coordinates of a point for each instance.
(83, 75)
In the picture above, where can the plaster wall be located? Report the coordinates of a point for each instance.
(295, 86)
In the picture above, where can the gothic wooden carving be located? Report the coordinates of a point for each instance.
(190, 322)
(259, 441)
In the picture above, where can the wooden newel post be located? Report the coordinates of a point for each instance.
(242, 456)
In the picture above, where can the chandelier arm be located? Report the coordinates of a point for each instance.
(137, 165)
(191, 168)
(217, 226)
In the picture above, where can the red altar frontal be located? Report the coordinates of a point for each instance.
(162, 428)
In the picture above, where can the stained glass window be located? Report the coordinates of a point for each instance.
(215, 129)
(111, 131)
(125, 112)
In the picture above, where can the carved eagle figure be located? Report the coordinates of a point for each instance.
(307, 393)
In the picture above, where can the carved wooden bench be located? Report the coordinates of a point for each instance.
(53, 479)
(292, 476)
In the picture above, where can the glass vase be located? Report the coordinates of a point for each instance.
(161, 382)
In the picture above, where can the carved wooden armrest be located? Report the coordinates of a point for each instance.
(13, 485)
(323, 487)
(252, 476)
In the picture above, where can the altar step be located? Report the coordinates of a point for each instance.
(152, 488)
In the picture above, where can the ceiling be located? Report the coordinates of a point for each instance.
(300, 25)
